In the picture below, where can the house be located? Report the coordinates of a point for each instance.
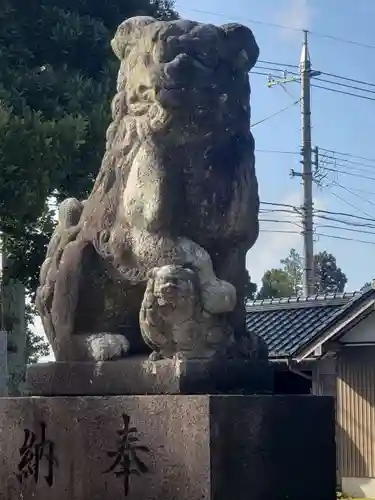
(325, 345)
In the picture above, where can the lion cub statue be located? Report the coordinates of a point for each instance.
(155, 257)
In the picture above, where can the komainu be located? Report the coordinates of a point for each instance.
(177, 187)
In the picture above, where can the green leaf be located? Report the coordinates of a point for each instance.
(55, 94)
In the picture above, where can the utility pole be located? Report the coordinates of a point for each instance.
(307, 179)
(304, 77)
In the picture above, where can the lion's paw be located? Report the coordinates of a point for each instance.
(107, 346)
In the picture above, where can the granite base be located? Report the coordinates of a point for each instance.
(141, 376)
(167, 448)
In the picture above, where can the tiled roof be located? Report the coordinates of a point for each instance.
(289, 324)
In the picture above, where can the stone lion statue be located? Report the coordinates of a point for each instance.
(174, 320)
(177, 187)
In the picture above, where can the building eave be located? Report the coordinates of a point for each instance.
(335, 330)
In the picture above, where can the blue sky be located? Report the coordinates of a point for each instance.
(341, 123)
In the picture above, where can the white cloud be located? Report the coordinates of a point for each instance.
(273, 243)
(296, 14)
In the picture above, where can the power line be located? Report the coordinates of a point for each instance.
(317, 212)
(306, 74)
(324, 80)
(347, 173)
(350, 155)
(277, 221)
(286, 91)
(248, 20)
(278, 64)
(343, 214)
(369, 222)
(281, 26)
(360, 172)
(277, 151)
(275, 114)
(344, 40)
(354, 194)
(285, 231)
(269, 68)
(366, 191)
(338, 167)
(350, 204)
(343, 92)
(361, 231)
(322, 235)
(348, 79)
(336, 161)
(346, 222)
(344, 238)
(291, 209)
(328, 226)
(326, 150)
(252, 72)
(326, 215)
(354, 87)
(280, 70)
(264, 211)
(278, 204)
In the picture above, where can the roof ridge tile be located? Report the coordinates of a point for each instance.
(310, 298)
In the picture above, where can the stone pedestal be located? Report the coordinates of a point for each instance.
(167, 447)
(140, 376)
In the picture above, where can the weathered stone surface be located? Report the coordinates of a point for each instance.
(177, 186)
(138, 375)
(178, 321)
(275, 447)
(192, 447)
(3, 363)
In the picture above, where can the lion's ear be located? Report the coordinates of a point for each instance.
(127, 32)
(242, 47)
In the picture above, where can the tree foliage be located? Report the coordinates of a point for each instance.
(287, 280)
(293, 267)
(58, 75)
(329, 278)
(36, 346)
(250, 288)
(275, 284)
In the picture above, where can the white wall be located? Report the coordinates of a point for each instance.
(363, 332)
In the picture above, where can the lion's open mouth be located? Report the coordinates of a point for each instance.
(184, 67)
(189, 78)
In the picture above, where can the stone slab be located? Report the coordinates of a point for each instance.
(140, 376)
(190, 448)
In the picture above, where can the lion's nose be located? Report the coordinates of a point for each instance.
(176, 68)
(184, 66)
